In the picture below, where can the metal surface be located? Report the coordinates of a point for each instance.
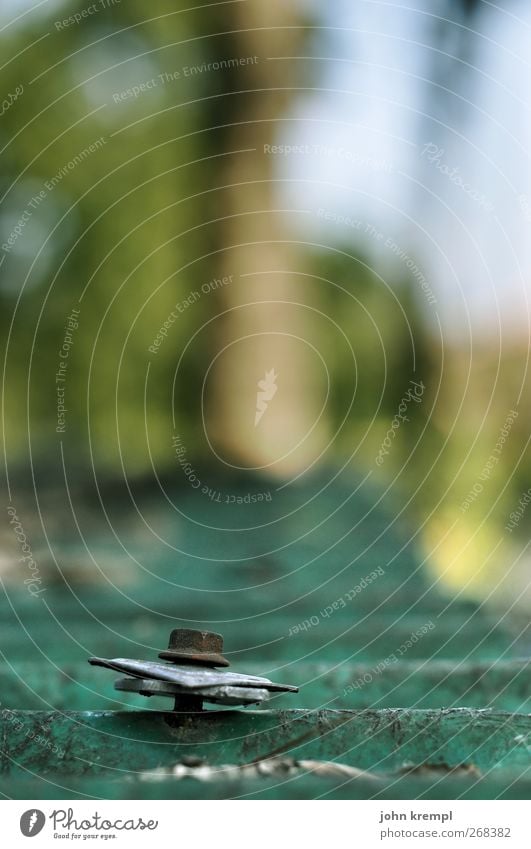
(193, 683)
(71, 735)
(222, 694)
(188, 676)
(501, 685)
(191, 646)
(384, 742)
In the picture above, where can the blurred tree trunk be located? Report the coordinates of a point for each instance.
(267, 268)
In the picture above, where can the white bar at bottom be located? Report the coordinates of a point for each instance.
(262, 824)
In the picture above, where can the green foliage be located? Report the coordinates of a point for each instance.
(117, 234)
(380, 344)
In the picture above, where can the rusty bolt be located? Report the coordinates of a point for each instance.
(189, 646)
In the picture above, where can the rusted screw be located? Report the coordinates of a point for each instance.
(198, 647)
(187, 679)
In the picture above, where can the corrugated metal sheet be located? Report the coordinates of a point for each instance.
(419, 694)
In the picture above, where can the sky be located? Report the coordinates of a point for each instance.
(461, 206)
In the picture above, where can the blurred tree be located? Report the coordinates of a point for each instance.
(267, 318)
(116, 172)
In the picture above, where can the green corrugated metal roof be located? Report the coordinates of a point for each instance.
(446, 717)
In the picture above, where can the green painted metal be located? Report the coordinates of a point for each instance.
(380, 741)
(289, 599)
(350, 638)
(426, 684)
(503, 784)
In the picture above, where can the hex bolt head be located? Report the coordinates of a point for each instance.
(189, 646)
